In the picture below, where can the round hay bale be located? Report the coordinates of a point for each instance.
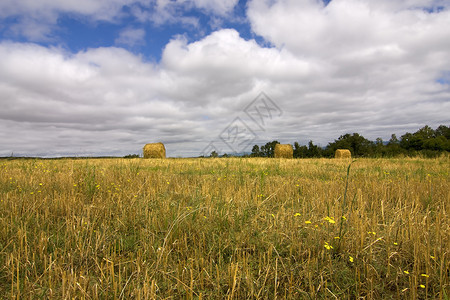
(342, 153)
(284, 151)
(154, 150)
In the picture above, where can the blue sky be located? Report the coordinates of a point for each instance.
(105, 77)
(77, 32)
(79, 35)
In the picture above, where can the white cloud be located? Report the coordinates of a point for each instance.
(48, 93)
(378, 58)
(36, 20)
(173, 12)
(345, 28)
(218, 7)
(100, 9)
(109, 90)
(224, 53)
(131, 37)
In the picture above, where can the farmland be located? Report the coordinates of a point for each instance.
(235, 228)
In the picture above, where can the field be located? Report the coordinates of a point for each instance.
(237, 228)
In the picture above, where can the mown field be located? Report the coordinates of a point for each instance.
(232, 228)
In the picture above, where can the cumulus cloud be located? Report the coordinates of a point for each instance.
(218, 7)
(380, 58)
(224, 66)
(52, 92)
(368, 29)
(103, 9)
(36, 20)
(161, 12)
(131, 37)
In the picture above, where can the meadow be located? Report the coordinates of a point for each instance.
(234, 228)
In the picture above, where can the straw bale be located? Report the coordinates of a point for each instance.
(284, 151)
(342, 153)
(154, 150)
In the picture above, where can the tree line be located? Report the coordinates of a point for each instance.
(426, 141)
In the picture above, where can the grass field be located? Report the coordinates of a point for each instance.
(225, 228)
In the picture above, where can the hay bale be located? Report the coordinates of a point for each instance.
(342, 153)
(284, 151)
(154, 150)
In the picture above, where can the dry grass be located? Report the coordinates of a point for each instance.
(284, 151)
(224, 228)
(342, 153)
(155, 150)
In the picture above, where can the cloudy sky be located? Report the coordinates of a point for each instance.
(105, 77)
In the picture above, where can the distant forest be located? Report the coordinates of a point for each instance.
(425, 142)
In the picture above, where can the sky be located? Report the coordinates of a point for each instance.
(105, 77)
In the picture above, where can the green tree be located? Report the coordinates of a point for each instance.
(393, 140)
(357, 144)
(444, 131)
(313, 150)
(415, 141)
(379, 148)
(393, 147)
(269, 149)
(439, 143)
(427, 141)
(255, 151)
(425, 133)
(408, 142)
(300, 151)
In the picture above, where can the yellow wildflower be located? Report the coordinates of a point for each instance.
(327, 246)
(330, 220)
(350, 259)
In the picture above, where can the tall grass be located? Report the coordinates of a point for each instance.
(224, 228)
